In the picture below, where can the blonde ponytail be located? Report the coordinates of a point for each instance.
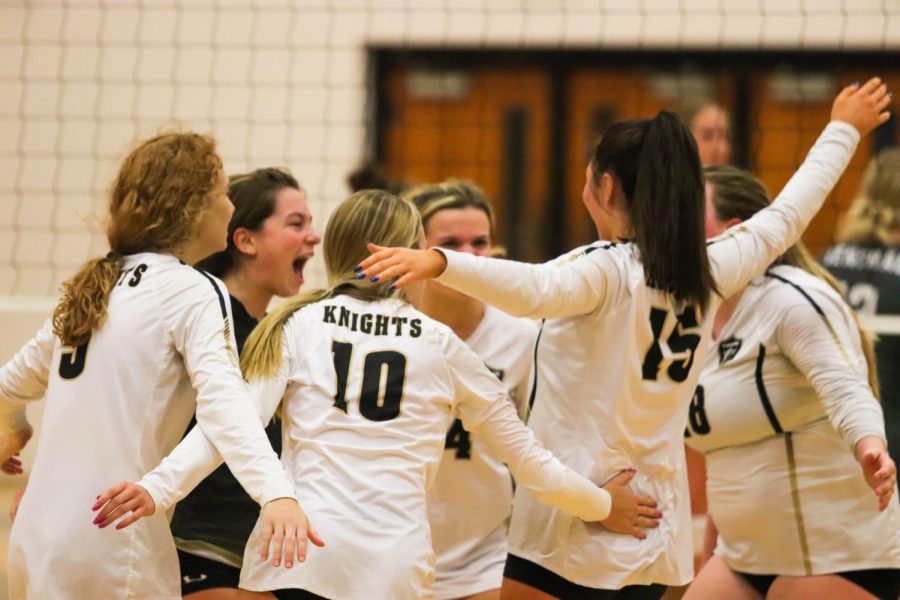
(261, 356)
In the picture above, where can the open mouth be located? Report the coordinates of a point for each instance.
(298, 267)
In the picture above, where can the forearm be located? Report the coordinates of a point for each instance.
(559, 288)
(182, 470)
(536, 469)
(747, 249)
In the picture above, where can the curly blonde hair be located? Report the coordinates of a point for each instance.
(160, 194)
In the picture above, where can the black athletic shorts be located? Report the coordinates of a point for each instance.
(883, 583)
(296, 595)
(529, 573)
(198, 574)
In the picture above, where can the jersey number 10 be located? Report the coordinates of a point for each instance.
(385, 370)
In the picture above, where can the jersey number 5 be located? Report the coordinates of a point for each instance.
(680, 341)
(72, 361)
(383, 370)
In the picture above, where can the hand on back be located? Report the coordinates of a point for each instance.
(631, 513)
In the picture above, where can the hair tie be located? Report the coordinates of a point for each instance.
(113, 257)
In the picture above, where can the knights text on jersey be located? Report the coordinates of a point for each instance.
(368, 390)
(115, 407)
(616, 364)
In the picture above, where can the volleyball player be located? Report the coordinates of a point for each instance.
(867, 261)
(787, 416)
(270, 239)
(139, 340)
(470, 500)
(368, 387)
(627, 322)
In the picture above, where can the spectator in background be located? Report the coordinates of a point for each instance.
(709, 123)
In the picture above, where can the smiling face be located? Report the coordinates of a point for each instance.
(284, 243)
(461, 229)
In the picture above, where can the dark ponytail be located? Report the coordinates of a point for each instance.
(656, 163)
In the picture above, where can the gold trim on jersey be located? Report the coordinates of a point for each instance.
(795, 498)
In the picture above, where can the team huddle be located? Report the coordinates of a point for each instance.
(441, 423)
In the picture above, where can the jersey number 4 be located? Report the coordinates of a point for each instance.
(384, 373)
(681, 343)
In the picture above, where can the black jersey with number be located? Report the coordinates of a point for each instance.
(871, 273)
(216, 519)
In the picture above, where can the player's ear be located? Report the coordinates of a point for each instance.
(244, 241)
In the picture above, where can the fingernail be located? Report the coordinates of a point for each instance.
(855, 84)
(890, 94)
(392, 288)
(374, 278)
(361, 276)
(357, 268)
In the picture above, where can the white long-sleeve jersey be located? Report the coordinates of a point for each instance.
(472, 493)
(783, 399)
(617, 363)
(368, 390)
(114, 408)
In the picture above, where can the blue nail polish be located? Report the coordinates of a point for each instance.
(392, 288)
(361, 276)
(854, 84)
(357, 268)
(374, 278)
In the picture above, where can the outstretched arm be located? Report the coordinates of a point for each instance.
(747, 249)
(574, 284)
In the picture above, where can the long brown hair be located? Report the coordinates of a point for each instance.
(737, 194)
(367, 216)
(656, 163)
(160, 193)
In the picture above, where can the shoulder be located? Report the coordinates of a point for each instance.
(596, 250)
(790, 290)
